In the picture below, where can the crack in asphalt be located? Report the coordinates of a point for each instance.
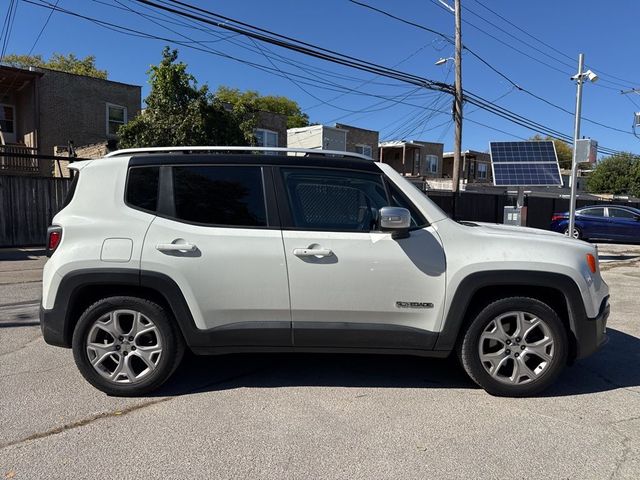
(35, 339)
(122, 412)
(83, 422)
(35, 372)
(626, 449)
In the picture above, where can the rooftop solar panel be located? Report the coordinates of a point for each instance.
(525, 163)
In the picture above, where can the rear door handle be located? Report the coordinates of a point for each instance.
(312, 252)
(175, 247)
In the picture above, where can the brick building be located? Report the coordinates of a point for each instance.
(42, 110)
(413, 157)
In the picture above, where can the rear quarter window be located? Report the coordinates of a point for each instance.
(142, 188)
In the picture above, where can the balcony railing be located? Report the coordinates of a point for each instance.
(15, 159)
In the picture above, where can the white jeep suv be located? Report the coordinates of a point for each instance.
(223, 249)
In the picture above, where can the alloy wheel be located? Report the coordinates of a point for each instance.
(576, 233)
(516, 347)
(124, 346)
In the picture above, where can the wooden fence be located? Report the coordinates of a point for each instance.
(27, 205)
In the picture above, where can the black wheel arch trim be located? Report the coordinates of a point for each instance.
(588, 332)
(57, 325)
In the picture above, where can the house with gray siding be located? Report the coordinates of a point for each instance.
(340, 137)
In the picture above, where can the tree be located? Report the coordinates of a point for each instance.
(563, 149)
(63, 63)
(249, 102)
(617, 174)
(179, 112)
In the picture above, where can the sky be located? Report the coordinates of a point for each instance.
(533, 44)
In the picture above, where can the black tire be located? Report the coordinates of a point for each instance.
(578, 230)
(172, 345)
(469, 348)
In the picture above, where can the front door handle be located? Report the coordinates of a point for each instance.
(175, 247)
(312, 252)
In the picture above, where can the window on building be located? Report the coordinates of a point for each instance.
(432, 163)
(266, 138)
(482, 171)
(364, 150)
(116, 116)
(6, 118)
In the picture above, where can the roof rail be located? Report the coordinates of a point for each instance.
(220, 149)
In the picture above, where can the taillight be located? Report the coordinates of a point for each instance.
(556, 217)
(54, 235)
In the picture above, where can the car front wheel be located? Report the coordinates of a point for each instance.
(514, 347)
(126, 346)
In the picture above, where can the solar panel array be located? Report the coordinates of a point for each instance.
(525, 163)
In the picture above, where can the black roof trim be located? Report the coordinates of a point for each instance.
(232, 159)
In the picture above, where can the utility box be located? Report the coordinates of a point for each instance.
(515, 216)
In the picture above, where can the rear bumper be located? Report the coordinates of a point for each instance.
(591, 333)
(52, 325)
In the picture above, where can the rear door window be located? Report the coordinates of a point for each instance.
(220, 195)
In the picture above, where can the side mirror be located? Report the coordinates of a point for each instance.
(396, 220)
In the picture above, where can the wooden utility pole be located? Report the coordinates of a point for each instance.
(457, 105)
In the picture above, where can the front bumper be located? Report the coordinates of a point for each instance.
(591, 333)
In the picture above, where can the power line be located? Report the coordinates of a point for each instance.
(353, 62)
(542, 42)
(8, 27)
(513, 83)
(46, 22)
(338, 59)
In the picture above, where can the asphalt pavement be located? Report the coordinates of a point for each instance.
(316, 416)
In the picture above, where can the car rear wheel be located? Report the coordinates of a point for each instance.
(126, 346)
(577, 233)
(514, 347)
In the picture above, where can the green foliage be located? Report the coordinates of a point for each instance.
(247, 104)
(563, 149)
(179, 112)
(58, 61)
(617, 174)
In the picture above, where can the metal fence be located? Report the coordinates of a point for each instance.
(489, 207)
(18, 159)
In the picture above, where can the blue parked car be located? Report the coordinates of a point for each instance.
(601, 222)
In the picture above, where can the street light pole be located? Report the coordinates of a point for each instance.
(457, 107)
(576, 135)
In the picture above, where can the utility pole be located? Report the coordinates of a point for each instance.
(576, 135)
(457, 105)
